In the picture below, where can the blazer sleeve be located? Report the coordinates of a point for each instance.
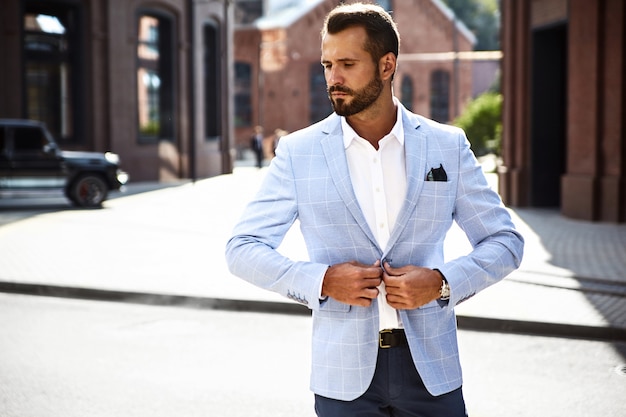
(480, 213)
(251, 252)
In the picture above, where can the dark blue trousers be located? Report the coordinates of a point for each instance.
(397, 390)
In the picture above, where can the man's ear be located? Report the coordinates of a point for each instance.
(388, 65)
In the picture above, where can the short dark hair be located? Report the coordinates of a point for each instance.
(382, 33)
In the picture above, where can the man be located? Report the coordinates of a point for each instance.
(256, 144)
(375, 189)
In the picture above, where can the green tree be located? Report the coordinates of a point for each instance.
(482, 17)
(482, 122)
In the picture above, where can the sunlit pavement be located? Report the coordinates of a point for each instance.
(164, 244)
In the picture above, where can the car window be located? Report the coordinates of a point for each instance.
(28, 139)
(2, 140)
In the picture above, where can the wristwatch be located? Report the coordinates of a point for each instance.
(444, 291)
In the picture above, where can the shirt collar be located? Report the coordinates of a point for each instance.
(396, 131)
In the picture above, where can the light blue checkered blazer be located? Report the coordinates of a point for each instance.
(309, 180)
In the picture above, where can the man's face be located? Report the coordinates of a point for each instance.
(352, 78)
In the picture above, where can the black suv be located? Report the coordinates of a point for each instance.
(30, 160)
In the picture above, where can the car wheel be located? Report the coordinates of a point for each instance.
(88, 191)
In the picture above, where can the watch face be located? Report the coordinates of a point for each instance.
(445, 290)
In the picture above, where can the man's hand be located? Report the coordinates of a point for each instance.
(409, 287)
(353, 283)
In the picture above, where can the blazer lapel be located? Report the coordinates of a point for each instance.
(415, 148)
(334, 151)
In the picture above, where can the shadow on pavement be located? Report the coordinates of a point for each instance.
(589, 257)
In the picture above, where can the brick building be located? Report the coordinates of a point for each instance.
(147, 79)
(564, 115)
(279, 82)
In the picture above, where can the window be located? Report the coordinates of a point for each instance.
(319, 106)
(243, 96)
(155, 78)
(407, 92)
(28, 140)
(52, 63)
(212, 81)
(440, 96)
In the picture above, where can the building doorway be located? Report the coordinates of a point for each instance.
(548, 115)
(53, 69)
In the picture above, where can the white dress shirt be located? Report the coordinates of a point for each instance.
(379, 182)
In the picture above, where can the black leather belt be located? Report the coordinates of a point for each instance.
(390, 338)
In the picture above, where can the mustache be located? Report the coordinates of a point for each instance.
(340, 89)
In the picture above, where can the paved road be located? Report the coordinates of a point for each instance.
(169, 243)
(77, 358)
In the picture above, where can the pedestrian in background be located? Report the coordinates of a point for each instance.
(375, 189)
(256, 144)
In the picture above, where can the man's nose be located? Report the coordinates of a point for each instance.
(334, 77)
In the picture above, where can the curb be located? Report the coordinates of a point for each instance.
(464, 322)
(154, 299)
(534, 328)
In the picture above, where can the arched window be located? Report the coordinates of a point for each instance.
(243, 94)
(440, 96)
(212, 81)
(319, 104)
(406, 90)
(155, 76)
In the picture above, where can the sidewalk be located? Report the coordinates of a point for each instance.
(164, 244)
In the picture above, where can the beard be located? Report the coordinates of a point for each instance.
(361, 99)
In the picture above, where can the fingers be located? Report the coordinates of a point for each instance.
(362, 297)
(411, 286)
(356, 284)
(352, 283)
(407, 287)
(393, 277)
(368, 297)
(391, 271)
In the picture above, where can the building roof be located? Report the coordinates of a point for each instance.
(459, 24)
(283, 13)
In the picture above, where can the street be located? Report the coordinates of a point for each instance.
(65, 358)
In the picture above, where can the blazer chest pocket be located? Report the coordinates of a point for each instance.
(436, 201)
(434, 188)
